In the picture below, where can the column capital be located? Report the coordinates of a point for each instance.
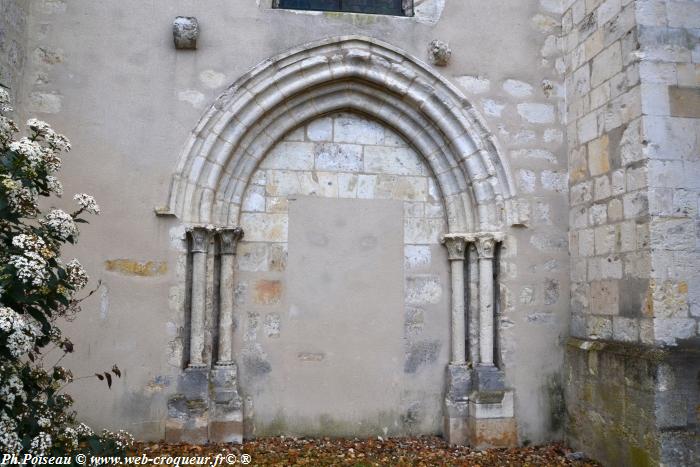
(229, 239)
(200, 238)
(455, 244)
(486, 243)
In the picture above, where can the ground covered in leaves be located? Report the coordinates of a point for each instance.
(422, 451)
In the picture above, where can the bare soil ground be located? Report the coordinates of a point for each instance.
(421, 451)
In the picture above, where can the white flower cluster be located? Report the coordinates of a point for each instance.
(43, 129)
(122, 439)
(40, 444)
(84, 431)
(30, 267)
(54, 185)
(9, 441)
(4, 101)
(43, 422)
(7, 128)
(87, 203)
(28, 242)
(70, 435)
(32, 150)
(22, 200)
(77, 277)
(11, 389)
(21, 334)
(60, 223)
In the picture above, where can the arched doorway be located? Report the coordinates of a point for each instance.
(214, 186)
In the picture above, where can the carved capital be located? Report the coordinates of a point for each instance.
(229, 240)
(200, 239)
(486, 246)
(456, 246)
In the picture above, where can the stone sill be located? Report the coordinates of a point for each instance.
(635, 350)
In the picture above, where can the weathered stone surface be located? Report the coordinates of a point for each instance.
(492, 433)
(439, 52)
(185, 32)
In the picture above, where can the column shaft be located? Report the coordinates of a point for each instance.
(200, 243)
(458, 321)
(486, 247)
(455, 248)
(229, 241)
(473, 307)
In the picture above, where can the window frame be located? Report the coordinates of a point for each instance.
(406, 9)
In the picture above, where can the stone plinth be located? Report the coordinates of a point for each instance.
(226, 414)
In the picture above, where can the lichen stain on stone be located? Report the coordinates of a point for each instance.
(267, 292)
(130, 267)
(557, 407)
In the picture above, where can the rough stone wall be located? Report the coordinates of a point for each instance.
(13, 25)
(632, 130)
(632, 405)
(343, 156)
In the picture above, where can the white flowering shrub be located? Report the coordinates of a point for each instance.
(37, 289)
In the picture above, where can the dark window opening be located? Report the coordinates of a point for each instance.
(377, 7)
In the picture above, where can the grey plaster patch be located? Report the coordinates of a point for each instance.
(551, 292)
(414, 322)
(416, 256)
(272, 325)
(256, 364)
(421, 353)
(423, 289)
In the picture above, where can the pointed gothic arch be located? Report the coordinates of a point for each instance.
(344, 73)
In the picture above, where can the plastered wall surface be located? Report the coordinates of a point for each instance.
(128, 100)
(343, 260)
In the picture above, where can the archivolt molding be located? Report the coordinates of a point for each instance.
(349, 73)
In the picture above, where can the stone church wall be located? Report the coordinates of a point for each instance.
(129, 101)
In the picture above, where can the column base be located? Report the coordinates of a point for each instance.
(187, 421)
(456, 429)
(226, 418)
(207, 407)
(491, 421)
(459, 381)
(478, 408)
(492, 433)
(188, 411)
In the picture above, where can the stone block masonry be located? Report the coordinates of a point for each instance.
(634, 168)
